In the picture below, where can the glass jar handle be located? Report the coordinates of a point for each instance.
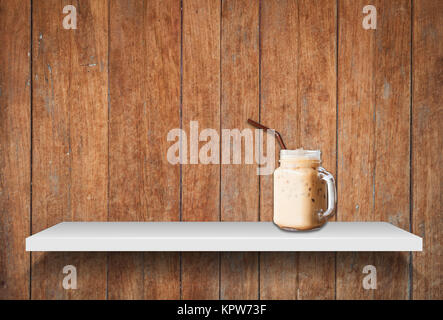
(332, 193)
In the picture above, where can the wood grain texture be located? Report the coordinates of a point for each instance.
(144, 106)
(239, 101)
(356, 140)
(228, 49)
(127, 140)
(316, 100)
(201, 102)
(70, 113)
(15, 146)
(427, 159)
(162, 276)
(374, 102)
(392, 139)
(163, 32)
(279, 84)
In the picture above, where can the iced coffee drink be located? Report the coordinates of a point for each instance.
(304, 192)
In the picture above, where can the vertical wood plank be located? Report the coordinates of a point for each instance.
(374, 102)
(392, 121)
(356, 132)
(427, 160)
(70, 113)
(240, 95)
(163, 33)
(317, 124)
(15, 155)
(279, 83)
(201, 102)
(145, 105)
(127, 140)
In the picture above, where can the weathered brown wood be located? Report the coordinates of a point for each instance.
(144, 106)
(240, 95)
(127, 140)
(70, 113)
(317, 124)
(279, 83)
(15, 155)
(162, 276)
(356, 136)
(392, 121)
(163, 32)
(201, 102)
(220, 90)
(374, 102)
(427, 134)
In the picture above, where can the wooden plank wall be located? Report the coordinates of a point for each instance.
(70, 134)
(373, 139)
(239, 101)
(427, 136)
(201, 103)
(15, 144)
(84, 116)
(144, 91)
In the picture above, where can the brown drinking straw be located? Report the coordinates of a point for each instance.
(277, 134)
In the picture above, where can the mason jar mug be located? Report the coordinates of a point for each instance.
(304, 192)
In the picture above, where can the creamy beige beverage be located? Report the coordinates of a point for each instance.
(304, 192)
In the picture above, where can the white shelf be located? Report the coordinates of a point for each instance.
(220, 236)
